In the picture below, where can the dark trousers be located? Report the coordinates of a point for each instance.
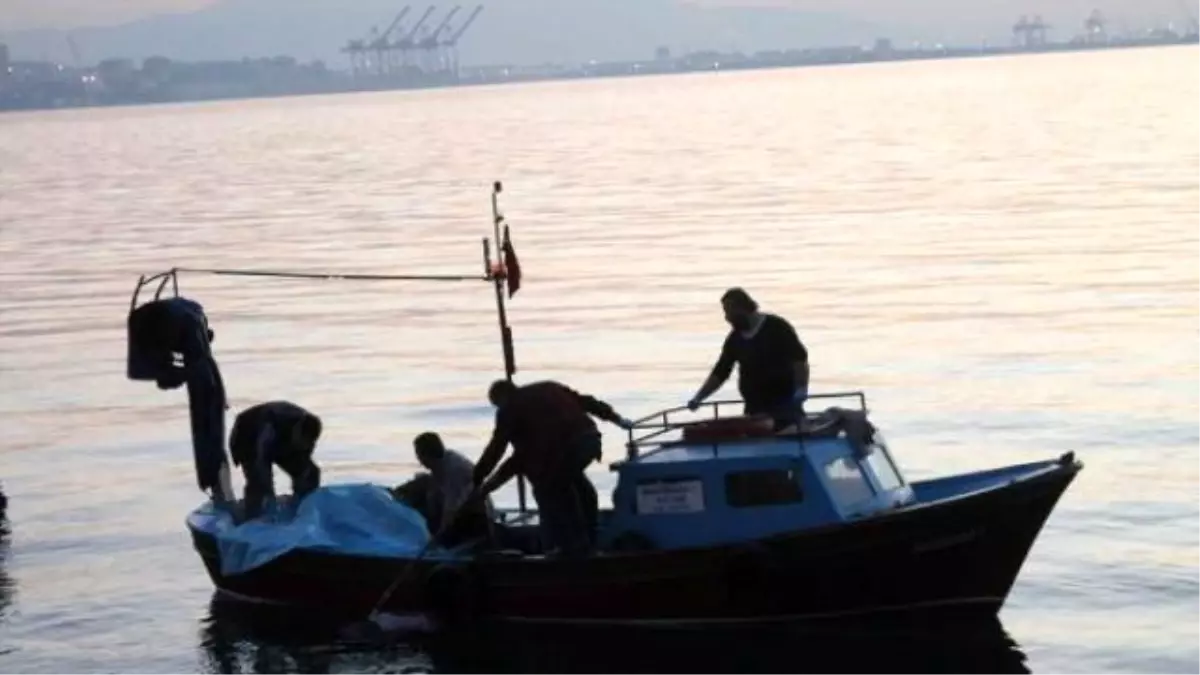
(305, 475)
(568, 506)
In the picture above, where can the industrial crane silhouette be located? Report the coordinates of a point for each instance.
(357, 49)
(1028, 33)
(378, 55)
(450, 46)
(429, 43)
(407, 43)
(379, 45)
(375, 41)
(1093, 27)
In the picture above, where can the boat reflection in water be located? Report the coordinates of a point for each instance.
(236, 638)
(7, 586)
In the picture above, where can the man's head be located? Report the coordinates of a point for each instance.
(306, 432)
(500, 392)
(739, 308)
(429, 449)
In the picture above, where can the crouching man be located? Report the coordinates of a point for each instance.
(275, 433)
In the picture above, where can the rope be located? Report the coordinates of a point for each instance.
(334, 276)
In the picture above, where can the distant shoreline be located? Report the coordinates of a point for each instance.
(339, 82)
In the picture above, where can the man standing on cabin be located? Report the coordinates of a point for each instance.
(772, 362)
(275, 433)
(554, 440)
(452, 478)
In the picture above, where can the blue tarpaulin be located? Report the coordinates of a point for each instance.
(356, 519)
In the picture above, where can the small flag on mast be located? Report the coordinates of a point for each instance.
(511, 265)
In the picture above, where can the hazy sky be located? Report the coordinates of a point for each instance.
(22, 14)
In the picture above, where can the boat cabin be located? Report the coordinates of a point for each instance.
(735, 478)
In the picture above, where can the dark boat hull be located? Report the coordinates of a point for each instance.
(957, 556)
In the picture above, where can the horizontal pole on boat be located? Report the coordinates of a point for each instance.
(333, 275)
(716, 405)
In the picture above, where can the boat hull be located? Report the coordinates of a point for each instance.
(956, 556)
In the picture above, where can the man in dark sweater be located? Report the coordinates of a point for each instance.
(554, 440)
(772, 362)
(275, 433)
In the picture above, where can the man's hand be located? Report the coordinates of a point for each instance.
(625, 423)
(693, 404)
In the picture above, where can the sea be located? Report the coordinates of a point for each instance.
(1001, 253)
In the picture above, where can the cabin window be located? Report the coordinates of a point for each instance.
(762, 487)
(670, 495)
(847, 485)
(881, 464)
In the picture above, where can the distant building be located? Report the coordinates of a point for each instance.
(4, 63)
(883, 47)
(662, 54)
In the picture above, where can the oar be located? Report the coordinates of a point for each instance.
(379, 622)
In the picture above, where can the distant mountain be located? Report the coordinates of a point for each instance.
(507, 32)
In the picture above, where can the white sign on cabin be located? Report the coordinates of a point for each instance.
(684, 496)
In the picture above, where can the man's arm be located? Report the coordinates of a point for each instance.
(262, 460)
(504, 474)
(495, 447)
(595, 407)
(720, 373)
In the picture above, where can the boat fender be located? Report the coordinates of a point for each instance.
(452, 592)
(632, 541)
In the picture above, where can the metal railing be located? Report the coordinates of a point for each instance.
(660, 423)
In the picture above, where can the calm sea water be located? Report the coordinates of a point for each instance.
(1002, 253)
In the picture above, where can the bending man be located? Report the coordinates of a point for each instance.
(554, 440)
(276, 433)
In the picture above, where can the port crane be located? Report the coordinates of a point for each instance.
(450, 46)
(407, 42)
(1030, 33)
(429, 44)
(1093, 27)
(373, 41)
(380, 43)
(391, 51)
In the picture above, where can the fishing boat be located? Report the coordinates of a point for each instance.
(717, 517)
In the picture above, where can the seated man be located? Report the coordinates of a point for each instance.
(451, 486)
(276, 433)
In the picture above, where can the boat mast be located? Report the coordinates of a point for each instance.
(498, 272)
